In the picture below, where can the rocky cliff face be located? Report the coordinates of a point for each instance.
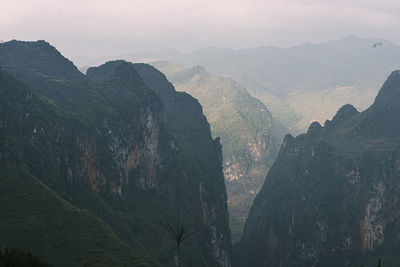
(184, 119)
(245, 127)
(130, 151)
(331, 197)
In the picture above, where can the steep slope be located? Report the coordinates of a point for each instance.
(331, 197)
(246, 129)
(103, 145)
(201, 158)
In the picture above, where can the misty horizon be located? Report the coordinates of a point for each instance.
(105, 28)
(186, 52)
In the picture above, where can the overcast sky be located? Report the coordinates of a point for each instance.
(98, 28)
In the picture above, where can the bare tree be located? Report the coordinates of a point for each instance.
(178, 233)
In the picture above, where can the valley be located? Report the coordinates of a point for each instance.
(265, 162)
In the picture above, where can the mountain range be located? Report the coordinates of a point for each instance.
(300, 84)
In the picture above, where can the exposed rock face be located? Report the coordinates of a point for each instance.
(120, 143)
(331, 197)
(260, 149)
(246, 129)
(183, 109)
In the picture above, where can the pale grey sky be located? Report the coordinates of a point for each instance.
(97, 28)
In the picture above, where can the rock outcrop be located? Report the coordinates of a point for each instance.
(331, 197)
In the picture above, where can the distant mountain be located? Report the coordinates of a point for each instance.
(248, 133)
(331, 197)
(314, 80)
(143, 56)
(304, 83)
(92, 166)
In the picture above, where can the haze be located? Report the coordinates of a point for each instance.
(100, 28)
